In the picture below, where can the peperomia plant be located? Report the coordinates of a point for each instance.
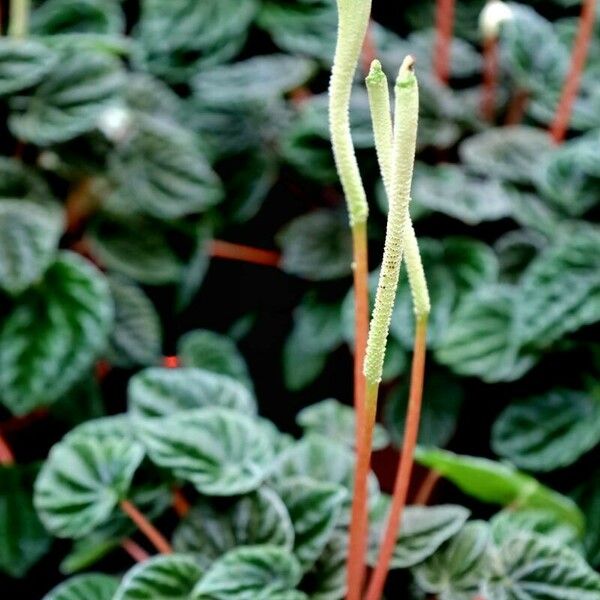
(163, 427)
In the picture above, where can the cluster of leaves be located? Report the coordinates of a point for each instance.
(135, 135)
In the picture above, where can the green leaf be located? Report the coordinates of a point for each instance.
(560, 290)
(213, 352)
(220, 451)
(255, 78)
(336, 421)
(52, 336)
(534, 567)
(327, 578)
(324, 460)
(23, 63)
(60, 17)
(158, 171)
(510, 522)
(587, 497)
(210, 530)
(499, 483)
(82, 482)
(300, 366)
(91, 586)
(439, 415)
(176, 40)
(159, 392)
(170, 577)
(136, 338)
(70, 99)
(250, 573)
(550, 431)
(29, 235)
(459, 569)
(306, 28)
(535, 57)
(315, 509)
(317, 246)
(449, 190)
(19, 181)
(23, 540)
(570, 175)
(146, 257)
(422, 531)
(482, 338)
(506, 153)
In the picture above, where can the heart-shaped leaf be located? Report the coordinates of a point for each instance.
(170, 577)
(250, 573)
(220, 451)
(136, 338)
(337, 421)
(499, 483)
(460, 567)
(422, 531)
(210, 530)
(23, 63)
(158, 392)
(91, 586)
(160, 172)
(317, 246)
(327, 579)
(23, 540)
(70, 100)
(29, 234)
(213, 352)
(532, 565)
(83, 480)
(506, 152)
(145, 257)
(52, 336)
(254, 78)
(550, 431)
(20, 181)
(560, 290)
(199, 34)
(481, 339)
(315, 509)
(587, 497)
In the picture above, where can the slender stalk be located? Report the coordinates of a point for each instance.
(227, 250)
(353, 20)
(155, 536)
(18, 24)
(171, 362)
(444, 25)
(517, 108)
(560, 125)
(411, 431)
(490, 77)
(134, 550)
(425, 491)
(180, 503)
(369, 49)
(7, 457)
(80, 204)
(18, 423)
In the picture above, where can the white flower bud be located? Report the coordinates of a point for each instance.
(115, 123)
(494, 13)
(48, 160)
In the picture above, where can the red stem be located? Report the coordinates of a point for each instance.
(7, 457)
(425, 491)
(405, 464)
(490, 78)
(560, 125)
(171, 362)
(369, 49)
(180, 503)
(80, 204)
(228, 250)
(517, 108)
(359, 521)
(134, 550)
(155, 536)
(17, 423)
(444, 25)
